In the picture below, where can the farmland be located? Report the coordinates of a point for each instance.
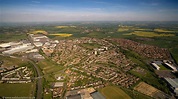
(148, 34)
(62, 34)
(163, 30)
(113, 92)
(39, 31)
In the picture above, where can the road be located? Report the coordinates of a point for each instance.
(39, 82)
(39, 74)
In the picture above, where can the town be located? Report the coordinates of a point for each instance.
(88, 64)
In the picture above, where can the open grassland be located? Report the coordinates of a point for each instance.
(17, 90)
(174, 52)
(12, 37)
(60, 27)
(126, 28)
(8, 61)
(163, 30)
(148, 34)
(143, 29)
(113, 92)
(48, 66)
(146, 89)
(62, 34)
(39, 32)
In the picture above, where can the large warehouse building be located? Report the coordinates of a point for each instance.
(173, 83)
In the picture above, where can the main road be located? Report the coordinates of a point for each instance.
(39, 82)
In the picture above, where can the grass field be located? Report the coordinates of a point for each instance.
(17, 90)
(163, 67)
(48, 67)
(62, 34)
(146, 89)
(163, 30)
(125, 28)
(12, 37)
(174, 52)
(148, 34)
(112, 92)
(8, 61)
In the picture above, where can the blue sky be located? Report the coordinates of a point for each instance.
(88, 10)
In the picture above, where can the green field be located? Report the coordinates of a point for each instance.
(148, 34)
(111, 92)
(174, 53)
(17, 90)
(48, 66)
(8, 61)
(12, 37)
(163, 30)
(163, 67)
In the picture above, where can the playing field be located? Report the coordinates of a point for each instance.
(146, 89)
(112, 92)
(17, 90)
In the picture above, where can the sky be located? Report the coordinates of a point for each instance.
(88, 10)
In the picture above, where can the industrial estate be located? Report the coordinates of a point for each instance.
(86, 62)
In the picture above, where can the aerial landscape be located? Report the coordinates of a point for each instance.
(88, 49)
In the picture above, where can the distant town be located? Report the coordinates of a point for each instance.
(87, 67)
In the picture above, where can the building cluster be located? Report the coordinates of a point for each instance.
(104, 62)
(172, 82)
(87, 93)
(57, 89)
(16, 75)
(112, 75)
(15, 47)
(143, 49)
(38, 40)
(166, 63)
(79, 81)
(43, 42)
(173, 85)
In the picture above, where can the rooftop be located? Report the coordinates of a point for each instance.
(58, 84)
(172, 82)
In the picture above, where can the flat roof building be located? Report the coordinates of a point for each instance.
(171, 66)
(21, 48)
(155, 66)
(173, 84)
(58, 84)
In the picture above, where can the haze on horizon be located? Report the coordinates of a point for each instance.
(88, 10)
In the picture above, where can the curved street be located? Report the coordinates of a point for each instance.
(39, 82)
